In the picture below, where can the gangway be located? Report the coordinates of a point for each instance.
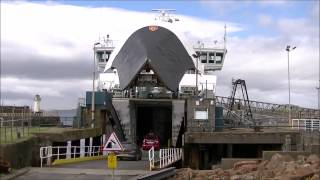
(166, 158)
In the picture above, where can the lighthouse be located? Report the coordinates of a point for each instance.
(36, 104)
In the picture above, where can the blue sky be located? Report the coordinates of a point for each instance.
(242, 12)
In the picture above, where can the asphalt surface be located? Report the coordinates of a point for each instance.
(93, 170)
(102, 164)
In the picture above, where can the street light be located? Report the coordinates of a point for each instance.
(197, 59)
(93, 86)
(288, 49)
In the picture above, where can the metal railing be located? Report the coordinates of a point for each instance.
(49, 153)
(306, 124)
(166, 157)
(151, 158)
(14, 127)
(169, 156)
(259, 107)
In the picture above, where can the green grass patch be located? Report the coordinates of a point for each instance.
(10, 135)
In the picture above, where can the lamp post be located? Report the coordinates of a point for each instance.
(319, 93)
(197, 64)
(288, 49)
(93, 86)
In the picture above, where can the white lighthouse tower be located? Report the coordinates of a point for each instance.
(36, 103)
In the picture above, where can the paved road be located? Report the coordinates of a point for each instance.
(102, 164)
(93, 170)
(78, 174)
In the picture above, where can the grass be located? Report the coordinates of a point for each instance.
(8, 136)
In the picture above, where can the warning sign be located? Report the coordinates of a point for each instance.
(113, 143)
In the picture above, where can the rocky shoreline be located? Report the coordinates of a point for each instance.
(279, 167)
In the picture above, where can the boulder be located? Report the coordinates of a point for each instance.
(303, 173)
(241, 163)
(277, 160)
(301, 159)
(313, 159)
(315, 177)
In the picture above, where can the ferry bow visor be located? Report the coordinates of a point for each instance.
(159, 48)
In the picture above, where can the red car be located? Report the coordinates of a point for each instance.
(149, 141)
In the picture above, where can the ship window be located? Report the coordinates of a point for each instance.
(99, 56)
(203, 57)
(219, 57)
(105, 56)
(211, 58)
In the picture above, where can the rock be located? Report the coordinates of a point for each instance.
(242, 177)
(301, 159)
(313, 159)
(217, 171)
(5, 166)
(263, 165)
(315, 168)
(247, 168)
(303, 173)
(290, 168)
(267, 174)
(241, 163)
(315, 177)
(277, 160)
(235, 177)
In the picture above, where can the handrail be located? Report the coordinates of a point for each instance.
(306, 124)
(169, 156)
(151, 158)
(67, 152)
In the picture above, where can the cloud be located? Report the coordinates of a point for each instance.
(264, 19)
(47, 49)
(55, 94)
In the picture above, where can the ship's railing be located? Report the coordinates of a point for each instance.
(49, 154)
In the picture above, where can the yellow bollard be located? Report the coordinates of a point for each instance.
(112, 162)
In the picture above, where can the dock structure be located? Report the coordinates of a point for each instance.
(166, 87)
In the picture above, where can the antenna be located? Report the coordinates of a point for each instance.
(225, 36)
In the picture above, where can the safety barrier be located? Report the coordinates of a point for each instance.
(151, 158)
(166, 157)
(306, 124)
(49, 153)
(169, 156)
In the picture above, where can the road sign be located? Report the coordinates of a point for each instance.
(113, 143)
(112, 161)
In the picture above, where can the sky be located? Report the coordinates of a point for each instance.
(46, 46)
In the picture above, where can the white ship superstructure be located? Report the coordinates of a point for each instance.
(208, 57)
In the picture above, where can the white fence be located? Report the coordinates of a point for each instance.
(169, 156)
(151, 158)
(166, 157)
(49, 153)
(306, 124)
